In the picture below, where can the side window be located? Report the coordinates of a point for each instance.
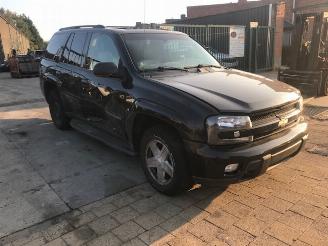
(76, 51)
(101, 49)
(56, 45)
(67, 49)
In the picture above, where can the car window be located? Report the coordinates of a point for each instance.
(67, 49)
(56, 45)
(101, 49)
(76, 51)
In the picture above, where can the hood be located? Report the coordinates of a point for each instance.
(232, 90)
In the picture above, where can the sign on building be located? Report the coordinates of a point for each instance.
(237, 41)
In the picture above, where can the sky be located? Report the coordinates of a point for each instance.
(49, 16)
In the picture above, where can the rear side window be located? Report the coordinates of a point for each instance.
(76, 51)
(101, 49)
(56, 45)
(67, 49)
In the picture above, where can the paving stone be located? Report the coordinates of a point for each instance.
(205, 231)
(218, 242)
(56, 242)
(288, 195)
(277, 204)
(306, 209)
(325, 213)
(237, 209)
(249, 200)
(81, 219)
(144, 205)
(108, 239)
(315, 200)
(57, 229)
(104, 209)
(123, 200)
(125, 214)
(236, 236)
(261, 191)
(128, 231)
(283, 232)
(37, 242)
(300, 243)
(22, 237)
(168, 210)
(222, 219)
(194, 214)
(135, 242)
(91, 206)
(296, 221)
(321, 224)
(79, 236)
(314, 237)
(149, 220)
(103, 224)
(141, 191)
(265, 214)
(251, 225)
(186, 240)
(183, 201)
(266, 240)
(176, 225)
(155, 236)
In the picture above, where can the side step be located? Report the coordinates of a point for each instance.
(102, 136)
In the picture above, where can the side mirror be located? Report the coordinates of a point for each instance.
(106, 69)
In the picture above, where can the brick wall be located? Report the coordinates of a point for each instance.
(12, 39)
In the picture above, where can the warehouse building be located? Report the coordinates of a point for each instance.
(11, 38)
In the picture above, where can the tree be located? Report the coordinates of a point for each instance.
(24, 24)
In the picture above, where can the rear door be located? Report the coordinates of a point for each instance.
(71, 72)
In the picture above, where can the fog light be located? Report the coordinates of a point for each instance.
(231, 168)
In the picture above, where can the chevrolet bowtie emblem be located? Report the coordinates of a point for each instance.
(283, 122)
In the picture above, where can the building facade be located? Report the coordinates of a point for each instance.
(11, 38)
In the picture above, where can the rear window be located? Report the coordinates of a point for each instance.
(56, 45)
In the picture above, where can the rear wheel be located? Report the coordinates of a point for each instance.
(57, 112)
(163, 161)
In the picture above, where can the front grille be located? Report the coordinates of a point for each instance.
(268, 122)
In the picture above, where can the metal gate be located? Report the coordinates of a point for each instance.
(257, 50)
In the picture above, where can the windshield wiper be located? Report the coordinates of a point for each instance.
(164, 68)
(202, 65)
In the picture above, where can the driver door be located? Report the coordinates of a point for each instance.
(102, 101)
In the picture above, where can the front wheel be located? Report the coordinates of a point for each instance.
(57, 112)
(163, 161)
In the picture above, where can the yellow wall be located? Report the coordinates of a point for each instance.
(12, 39)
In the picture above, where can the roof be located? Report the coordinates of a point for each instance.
(118, 30)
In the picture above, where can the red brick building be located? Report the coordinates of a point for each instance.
(282, 14)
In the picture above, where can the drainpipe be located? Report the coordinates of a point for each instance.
(293, 18)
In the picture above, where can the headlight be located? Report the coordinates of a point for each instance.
(228, 129)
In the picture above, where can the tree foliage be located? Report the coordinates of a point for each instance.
(26, 26)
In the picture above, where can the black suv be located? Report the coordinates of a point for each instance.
(160, 95)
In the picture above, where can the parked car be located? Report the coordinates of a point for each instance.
(4, 67)
(160, 95)
(23, 66)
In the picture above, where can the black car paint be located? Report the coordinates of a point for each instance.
(179, 99)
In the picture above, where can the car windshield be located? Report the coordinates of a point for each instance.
(166, 51)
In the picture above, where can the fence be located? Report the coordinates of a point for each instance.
(234, 46)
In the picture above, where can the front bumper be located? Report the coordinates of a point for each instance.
(208, 163)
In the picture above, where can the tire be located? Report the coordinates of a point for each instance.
(175, 176)
(57, 112)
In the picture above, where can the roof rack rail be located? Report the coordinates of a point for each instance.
(83, 26)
